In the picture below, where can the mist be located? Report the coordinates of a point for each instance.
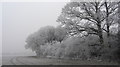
(0, 27)
(20, 19)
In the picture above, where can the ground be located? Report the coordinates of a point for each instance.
(32, 60)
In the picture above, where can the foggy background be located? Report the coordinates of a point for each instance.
(20, 19)
(0, 28)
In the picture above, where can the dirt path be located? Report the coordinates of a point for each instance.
(16, 61)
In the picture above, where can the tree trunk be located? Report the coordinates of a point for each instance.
(99, 24)
(100, 39)
(108, 30)
(100, 36)
(107, 23)
(100, 33)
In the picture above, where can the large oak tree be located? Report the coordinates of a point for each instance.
(89, 17)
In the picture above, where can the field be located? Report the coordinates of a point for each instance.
(32, 60)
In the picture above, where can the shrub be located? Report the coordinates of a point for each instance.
(111, 47)
(75, 48)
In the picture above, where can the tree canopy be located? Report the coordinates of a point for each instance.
(90, 17)
(46, 34)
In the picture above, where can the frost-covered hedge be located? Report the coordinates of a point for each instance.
(81, 48)
(73, 47)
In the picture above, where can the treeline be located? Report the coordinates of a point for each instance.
(87, 30)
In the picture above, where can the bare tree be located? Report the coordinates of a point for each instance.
(83, 17)
(91, 17)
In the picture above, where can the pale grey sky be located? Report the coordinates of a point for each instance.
(0, 27)
(23, 18)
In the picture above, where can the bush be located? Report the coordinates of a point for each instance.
(73, 47)
(111, 47)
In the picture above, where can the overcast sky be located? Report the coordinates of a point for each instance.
(0, 27)
(20, 19)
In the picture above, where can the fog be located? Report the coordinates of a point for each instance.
(20, 19)
(0, 28)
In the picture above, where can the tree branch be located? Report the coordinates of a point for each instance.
(104, 29)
